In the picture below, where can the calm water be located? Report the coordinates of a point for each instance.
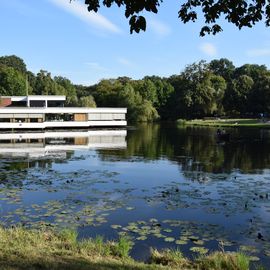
(163, 186)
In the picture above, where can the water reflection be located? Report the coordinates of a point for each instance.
(57, 144)
(196, 149)
(173, 186)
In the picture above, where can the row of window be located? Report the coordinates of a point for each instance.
(21, 120)
(106, 116)
(31, 118)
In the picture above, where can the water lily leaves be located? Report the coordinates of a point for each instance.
(159, 235)
(153, 220)
(200, 250)
(226, 243)
(169, 239)
(248, 249)
(197, 208)
(141, 238)
(198, 242)
(116, 227)
(180, 242)
(254, 258)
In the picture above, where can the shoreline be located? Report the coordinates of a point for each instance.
(250, 123)
(22, 248)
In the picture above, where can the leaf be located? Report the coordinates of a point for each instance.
(169, 239)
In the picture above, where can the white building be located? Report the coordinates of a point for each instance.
(39, 112)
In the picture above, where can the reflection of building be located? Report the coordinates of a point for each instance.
(47, 143)
(38, 112)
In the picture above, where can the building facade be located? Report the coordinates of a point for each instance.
(40, 112)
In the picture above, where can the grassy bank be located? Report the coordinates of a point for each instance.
(28, 249)
(226, 123)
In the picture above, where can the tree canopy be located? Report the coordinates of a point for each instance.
(202, 89)
(241, 13)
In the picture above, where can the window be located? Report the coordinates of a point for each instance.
(5, 120)
(20, 120)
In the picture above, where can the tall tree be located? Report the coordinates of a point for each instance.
(222, 67)
(238, 94)
(14, 62)
(12, 82)
(87, 101)
(70, 90)
(260, 96)
(147, 89)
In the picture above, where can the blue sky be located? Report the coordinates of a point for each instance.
(67, 40)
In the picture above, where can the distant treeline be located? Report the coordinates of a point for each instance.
(203, 89)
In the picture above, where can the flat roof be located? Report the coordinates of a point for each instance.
(61, 110)
(35, 97)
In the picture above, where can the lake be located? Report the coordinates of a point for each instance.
(164, 186)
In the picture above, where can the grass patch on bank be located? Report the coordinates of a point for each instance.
(226, 123)
(43, 249)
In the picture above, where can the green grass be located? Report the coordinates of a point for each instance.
(123, 247)
(168, 257)
(228, 261)
(43, 249)
(228, 123)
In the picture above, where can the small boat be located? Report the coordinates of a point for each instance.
(223, 135)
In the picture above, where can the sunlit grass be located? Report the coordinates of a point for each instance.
(227, 123)
(45, 249)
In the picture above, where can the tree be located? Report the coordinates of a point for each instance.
(147, 90)
(70, 90)
(87, 101)
(44, 83)
(238, 93)
(253, 71)
(163, 89)
(12, 82)
(14, 62)
(218, 85)
(241, 13)
(139, 109)
(260, 96)
(222, 67)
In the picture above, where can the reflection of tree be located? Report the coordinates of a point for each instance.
(148, 141)
(196, 148)
(10, 167)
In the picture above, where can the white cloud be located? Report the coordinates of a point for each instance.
(208, 49)
(96, 66)
(124, 62)
(160, 28)
(258, 52)
(94, 19)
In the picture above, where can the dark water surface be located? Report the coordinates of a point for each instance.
(169, 187)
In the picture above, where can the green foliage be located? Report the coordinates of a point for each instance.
(22, 248)
(69, 236)
(12, 82)
(201, 90)
(226, 261)
(181, 122)
(15, 62)
(87, 101)
(123, 247)
(168, 257)
(239, 13)
(222, 67)
(69, 90)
